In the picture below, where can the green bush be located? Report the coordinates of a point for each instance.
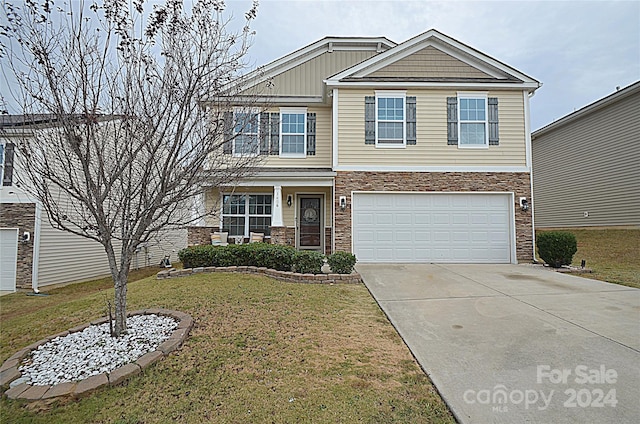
(253, 254)
(308, 262)
(557, 248)
(341, 262)
(197, 256)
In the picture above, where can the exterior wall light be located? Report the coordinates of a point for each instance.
(343, 202)
(524, 204)
(289, 200)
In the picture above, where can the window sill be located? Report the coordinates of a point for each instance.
(390, 146)
(292, 156)
(473, 146)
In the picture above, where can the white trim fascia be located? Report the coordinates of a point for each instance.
(288, 182)
(268, 99)
(377, 168)
(333, 217)
(309, 52)
(433, 84)
(334, 129)
(420, 42)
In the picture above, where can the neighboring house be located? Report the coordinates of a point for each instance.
(32, 252)
(586, 165)
(411, 152)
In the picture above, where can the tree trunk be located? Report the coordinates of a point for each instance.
(120, 284)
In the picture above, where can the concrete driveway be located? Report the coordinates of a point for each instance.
(517, 343)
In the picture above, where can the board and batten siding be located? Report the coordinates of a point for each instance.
(592, 165)
(431, 148)
(429, 62)
(306, 78)
(66, 257)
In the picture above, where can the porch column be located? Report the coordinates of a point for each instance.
(276, 213)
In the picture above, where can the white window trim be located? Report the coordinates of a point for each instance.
(247, 216)
(249, 111)
(302, 111)
(474, 95)
(393, 94)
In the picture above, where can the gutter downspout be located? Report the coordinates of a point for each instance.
(527, 121)
(36, 248)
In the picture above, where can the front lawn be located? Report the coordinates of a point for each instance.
(612, 254)
(260, 351)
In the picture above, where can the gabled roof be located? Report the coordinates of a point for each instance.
(591, 107)
(315, 49)
(493, 71)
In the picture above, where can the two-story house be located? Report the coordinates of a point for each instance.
(33, 253)
(411, 152)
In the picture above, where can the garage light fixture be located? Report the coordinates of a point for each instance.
(524, 204)
(343, 202)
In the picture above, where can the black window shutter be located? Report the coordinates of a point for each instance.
(452, 121)
(411, 121)
(370, 120)
(264, 133)
(493, 122)
(311, 134)
(227, 146)
(275, 133)
(7, 179)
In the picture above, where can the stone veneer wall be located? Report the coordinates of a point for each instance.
(516, 182)
(199, 235)
(23, 217)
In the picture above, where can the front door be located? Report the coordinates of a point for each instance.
(310, 222)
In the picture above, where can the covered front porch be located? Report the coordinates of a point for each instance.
(289, 206)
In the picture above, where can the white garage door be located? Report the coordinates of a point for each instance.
(430, 227)
(8, 258)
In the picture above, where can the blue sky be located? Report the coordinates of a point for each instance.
(580, 50)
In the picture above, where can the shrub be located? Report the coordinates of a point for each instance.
(341, 262)
(254, 254)
(557, 248)
(197, 256)
(308, 262)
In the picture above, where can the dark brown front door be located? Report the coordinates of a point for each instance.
(310, 222)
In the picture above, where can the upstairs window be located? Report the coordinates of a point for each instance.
(246, 133)
(6, 164)
(390, 119)
(293, 133)
(472, 121)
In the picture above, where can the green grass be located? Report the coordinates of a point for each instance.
(612, 254)
(260, 351)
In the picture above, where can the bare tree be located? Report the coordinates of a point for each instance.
(131, 145)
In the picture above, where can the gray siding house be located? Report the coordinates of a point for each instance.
(586, 165)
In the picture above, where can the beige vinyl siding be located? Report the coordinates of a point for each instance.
(590, 165)
(65, 257)
(431, 148)
(430, 63)
(306, 78)
(322, 158)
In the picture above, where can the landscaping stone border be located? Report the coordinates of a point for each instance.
(287, 276)
(9, 371)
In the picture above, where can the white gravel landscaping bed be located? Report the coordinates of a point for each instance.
(93, 351)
